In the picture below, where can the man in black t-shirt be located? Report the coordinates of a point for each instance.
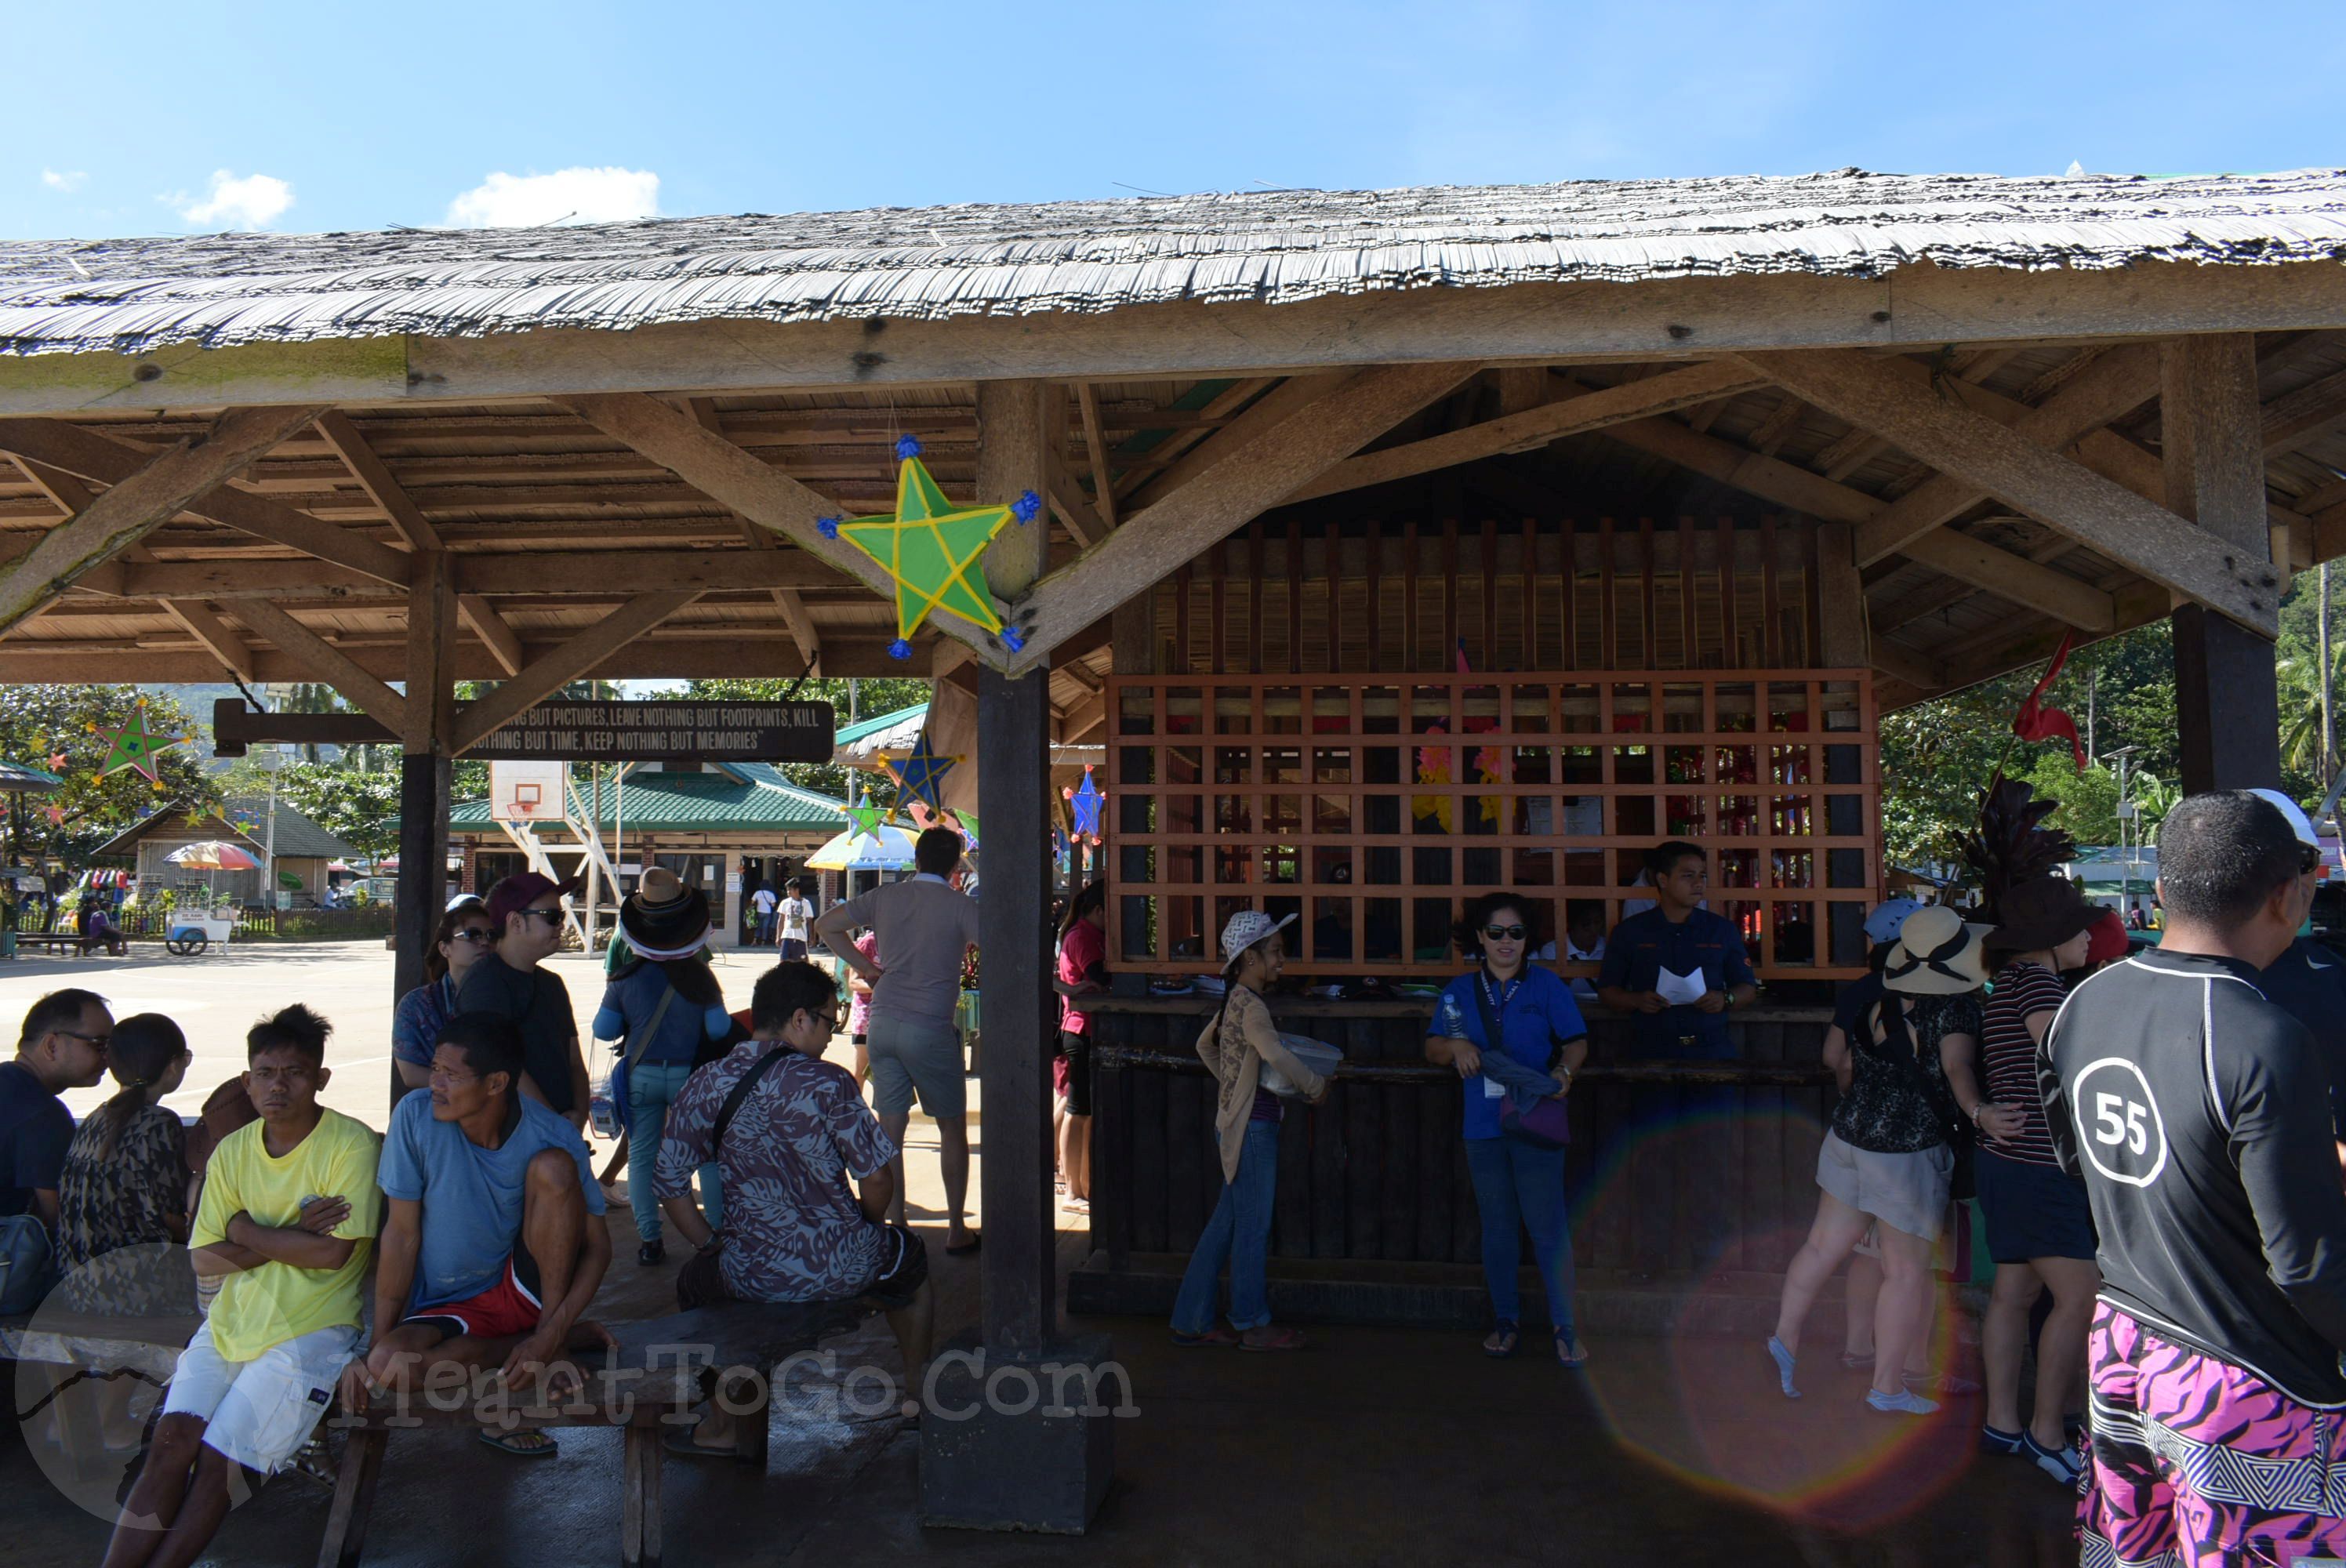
(2197, 1113)
(510, 983)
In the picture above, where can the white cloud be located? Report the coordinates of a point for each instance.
(532, 201)
(252, 202)
(70, 180)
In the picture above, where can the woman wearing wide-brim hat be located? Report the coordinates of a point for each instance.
(666, 1009)
(2040, 1229)
(1235, 1046)
(1885, 1163)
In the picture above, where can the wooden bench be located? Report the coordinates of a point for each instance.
(648, 1385)
(70, 1348)
(69, 942)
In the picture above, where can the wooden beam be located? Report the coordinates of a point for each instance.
(2064, 495)
(2114, 385)
(1217, 502)
(1840, 596)
(1740, 468)
(1266, 412)
(431, 693)
(793, 608)
(203, 622)
(734, 478)
(1539, 426)
(1916, 669)
(568, 662)
(406, 519)
(144, 495)
(325, 662)
(499, 638)
(2295, 418)
(98, 457)
(1016, 454)
(151, 659)
(2015, 578)
(1072, 508)
(1096, 448)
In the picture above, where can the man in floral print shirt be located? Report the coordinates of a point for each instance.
(795, 1229)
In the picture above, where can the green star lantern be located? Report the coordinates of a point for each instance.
(929, 549)
(135, 746)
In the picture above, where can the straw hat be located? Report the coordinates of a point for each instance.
(663, 918)
(2041, 912)
(1937, 955)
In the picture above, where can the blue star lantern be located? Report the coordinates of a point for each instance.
(1085, 803)
(919, 773)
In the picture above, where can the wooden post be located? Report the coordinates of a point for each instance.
(2228, 716)
(1014, 779)
(423, 771)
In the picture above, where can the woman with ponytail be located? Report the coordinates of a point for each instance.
(125, 1175)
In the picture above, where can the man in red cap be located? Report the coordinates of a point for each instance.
(510, 981)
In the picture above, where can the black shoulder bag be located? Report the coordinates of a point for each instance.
(701, 1281)
(1899, 1038)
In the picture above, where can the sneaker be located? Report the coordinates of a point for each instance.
(1994, 1440)
(1904, 1402)
(1784, 1364)
(2062, 1464)
(650, 1254)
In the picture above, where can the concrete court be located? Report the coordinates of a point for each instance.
(1371, 1446)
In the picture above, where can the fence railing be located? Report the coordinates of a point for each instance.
(251, 924)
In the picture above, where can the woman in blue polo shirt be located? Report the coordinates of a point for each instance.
(1518, 1185)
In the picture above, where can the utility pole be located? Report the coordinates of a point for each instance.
(2092, 690)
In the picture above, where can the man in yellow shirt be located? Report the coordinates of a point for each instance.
(286, 1222)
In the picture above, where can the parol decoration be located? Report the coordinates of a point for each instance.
(930, 548)
(919, 774)
(133, 746)
(866, 816)
(1085, 802)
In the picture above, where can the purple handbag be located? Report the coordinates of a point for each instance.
(1548, 1123)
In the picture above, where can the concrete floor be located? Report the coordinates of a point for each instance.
(1371, 1446)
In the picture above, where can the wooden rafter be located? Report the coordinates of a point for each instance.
(90, 455)
(407, 519)
(565, 662)
(502, 641)
(787, 600)
(1095, 448)
(733, 478)
(2064, 495)
(1071, 506)
(1156, 468)
(323, 661)
(1246, 481)
(139, 501)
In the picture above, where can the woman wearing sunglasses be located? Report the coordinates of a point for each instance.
(463, 934)
(1515, 1035)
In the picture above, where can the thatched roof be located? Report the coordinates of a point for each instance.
(1268, 247)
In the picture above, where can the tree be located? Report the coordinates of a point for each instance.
(38, 723)
(2089, 800)
(361, 806)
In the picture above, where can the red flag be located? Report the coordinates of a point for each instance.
(2036, 722)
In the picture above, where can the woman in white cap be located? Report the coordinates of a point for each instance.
(665, 1007)
(1885, 1163)
(1235, 1046)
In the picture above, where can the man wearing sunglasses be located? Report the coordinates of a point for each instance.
(61, 1048)
(511, 982)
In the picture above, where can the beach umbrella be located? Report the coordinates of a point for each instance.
(884, 849)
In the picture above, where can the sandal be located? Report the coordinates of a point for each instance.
(527, 1443)
(680, 1440)
(1215, 1338)
(1500, 1344)
(1570, 1353)
(1270, 1338)
(1076, 1205)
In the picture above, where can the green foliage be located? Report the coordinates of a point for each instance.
(2089, 800)
(871, 698)
(38, 722)
(362, 808)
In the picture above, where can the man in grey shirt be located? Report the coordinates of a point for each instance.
(926, 926)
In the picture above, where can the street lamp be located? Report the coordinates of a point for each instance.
(2129, 841)
(271, 761)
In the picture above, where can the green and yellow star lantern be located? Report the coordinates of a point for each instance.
(133, 746)
(931, 548)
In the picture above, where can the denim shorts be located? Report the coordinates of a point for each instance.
(925, 1058)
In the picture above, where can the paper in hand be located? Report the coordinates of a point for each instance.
(1680, 990)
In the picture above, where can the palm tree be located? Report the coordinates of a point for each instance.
(2299, 681)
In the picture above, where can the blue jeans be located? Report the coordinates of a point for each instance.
(1519, 1187)
(652, 1086)
(1239, 1232)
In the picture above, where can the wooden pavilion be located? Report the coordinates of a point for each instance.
(1399, 544)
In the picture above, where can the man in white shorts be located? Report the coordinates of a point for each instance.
(286, 1222)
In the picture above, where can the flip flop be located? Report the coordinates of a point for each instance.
(1217, 1338)
(680, 1440)
(517, 1443)
(966, 1247)
(1570, 1353)
(1500, 1342)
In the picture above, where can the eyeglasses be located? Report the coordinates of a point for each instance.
(554, 915)
(2309, 859)
(1504, 932)
(100, 1041)
(479, 934)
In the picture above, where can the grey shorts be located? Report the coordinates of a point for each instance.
(1906, 1192)
(927, 1057)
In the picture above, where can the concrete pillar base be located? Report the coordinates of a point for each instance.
(1021, 1443)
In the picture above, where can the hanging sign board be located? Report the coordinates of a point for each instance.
(656, 729)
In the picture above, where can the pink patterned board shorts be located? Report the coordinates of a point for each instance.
(2193, 1460)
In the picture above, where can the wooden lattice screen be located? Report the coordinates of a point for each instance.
(1371, 807)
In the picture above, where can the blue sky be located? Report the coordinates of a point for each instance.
(136, 119)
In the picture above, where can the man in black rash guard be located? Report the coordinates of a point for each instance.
(2197, 1113)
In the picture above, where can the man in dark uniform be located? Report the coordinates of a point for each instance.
(1677, 943)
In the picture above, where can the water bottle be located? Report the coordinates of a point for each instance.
(1454, 1022)
(603, 1114)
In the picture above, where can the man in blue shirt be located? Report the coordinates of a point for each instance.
(494, 1243)
(1679, 939)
